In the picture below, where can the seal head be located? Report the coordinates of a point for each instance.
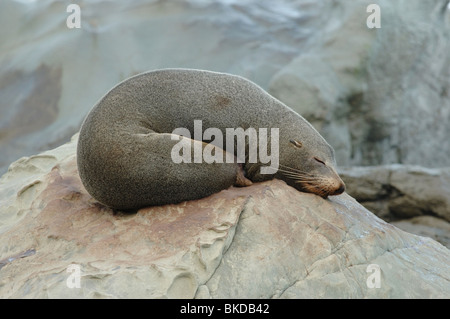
(316, 173)
(306, 161)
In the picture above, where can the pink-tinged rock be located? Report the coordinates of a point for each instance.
(263, 241)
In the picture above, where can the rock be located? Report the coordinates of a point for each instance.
(415, 195)
(263, 241)
(400, 191)
(427, 226)
(370, 91)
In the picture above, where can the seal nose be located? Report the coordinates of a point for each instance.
(340, 190)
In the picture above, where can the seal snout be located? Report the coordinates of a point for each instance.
(338, 184)
(340, 190)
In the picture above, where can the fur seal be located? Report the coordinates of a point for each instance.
(125, 142)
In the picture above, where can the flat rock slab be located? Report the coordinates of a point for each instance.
(263, 241)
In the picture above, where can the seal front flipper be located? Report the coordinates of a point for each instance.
(241, 180)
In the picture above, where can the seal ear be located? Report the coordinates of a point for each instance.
(296, 143)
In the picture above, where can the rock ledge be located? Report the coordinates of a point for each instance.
(263, 241)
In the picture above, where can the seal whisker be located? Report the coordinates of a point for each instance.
(322, 190)
(297, 173)
(293, 169)
(296, 170)
(300, 179)
(309, 181)
(312, 181)
(316, 189)
(300, 175)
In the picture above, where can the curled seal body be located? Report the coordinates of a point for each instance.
(126, 141)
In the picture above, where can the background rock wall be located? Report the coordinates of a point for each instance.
(379, 96)
(51, 76)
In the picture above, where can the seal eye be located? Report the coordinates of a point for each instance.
(318, 160)
(296, 143)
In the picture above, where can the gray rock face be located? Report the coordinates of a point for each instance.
(44, 96)
(379, 96)
(263, 241)
(427, 226)
(402, 192)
